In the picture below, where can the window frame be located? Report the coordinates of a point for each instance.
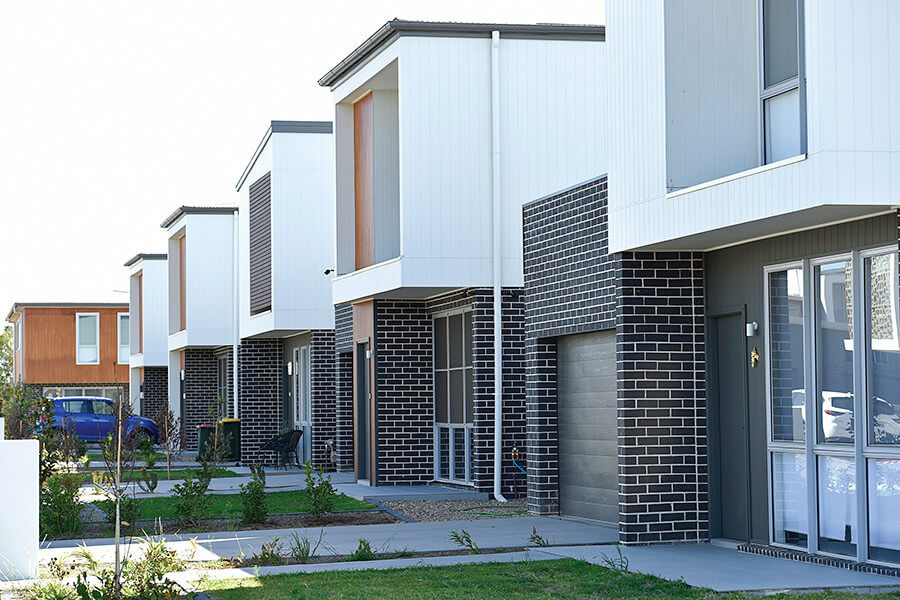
(119, 346)
(768, 92)
(78, 345)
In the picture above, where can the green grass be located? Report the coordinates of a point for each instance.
(229, 505)
(565, 579)
(135, 475)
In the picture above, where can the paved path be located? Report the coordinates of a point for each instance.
(416, 537)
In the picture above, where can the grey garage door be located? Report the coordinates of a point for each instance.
(586, 371)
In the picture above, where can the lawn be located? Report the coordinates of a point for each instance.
(544, 580)
(229, 505)
(135, 475)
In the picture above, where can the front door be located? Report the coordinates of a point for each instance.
(729, 439)
(363, 411)
(300, 385)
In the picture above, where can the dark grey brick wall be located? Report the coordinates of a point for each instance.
(343, 328)
(404, 413)
(343, 373)
(662, 439)
(156, 391)
(542, 430)
(569, 274)
(260, 401)
(323, 401)
(514, 419)
(200, 390)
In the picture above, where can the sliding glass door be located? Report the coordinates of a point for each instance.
(454, 393)
(834, 463)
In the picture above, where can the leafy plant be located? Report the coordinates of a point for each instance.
(60, 507)
(464, 539)
(170, 435)
(148, 480)
(269, 553)
(128, 512)
(52, 590)
(617, 564)
(301, 548)
(191, 500)
(537, 539)
(363, 551)
(320, 494)
(253, 499)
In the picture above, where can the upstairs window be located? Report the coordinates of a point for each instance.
(124, 339)
(781, 74)
(87, 336)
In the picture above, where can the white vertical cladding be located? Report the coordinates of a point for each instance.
(344, 214)
(636, 91)
(302, 230)
(149, 313)
(173, 283)
(445, 178)
(210, 295)
(387, 174)
(174, 375)
(264, 322)
(712, 89)
(552, 127)
(134, 387)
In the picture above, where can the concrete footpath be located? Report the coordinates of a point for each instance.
(415, 537)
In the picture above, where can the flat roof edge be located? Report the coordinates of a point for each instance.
(142, 256)
(197, 210)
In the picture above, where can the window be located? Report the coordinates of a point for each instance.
(87, 335)
(103, 408)
(124, 339)
(222, 378)
(781, 80)
(453, 397)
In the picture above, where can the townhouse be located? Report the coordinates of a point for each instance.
(286, 246)
(71, 349)
(148, 349)
(734, 280)
(201, 277)
(442, 132)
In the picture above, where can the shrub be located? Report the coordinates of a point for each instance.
(60, 506)
(269, 553)
(191, 500)
(52, 590)
(363, 551)
(320, 494)
(128, 512)
(253, 500)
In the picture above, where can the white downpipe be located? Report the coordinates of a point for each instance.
(497, 267)
(235, 282)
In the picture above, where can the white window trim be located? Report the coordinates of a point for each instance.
(77, 336)
(119, 345)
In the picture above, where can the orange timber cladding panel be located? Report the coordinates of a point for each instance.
(50, 347)
(364, 181)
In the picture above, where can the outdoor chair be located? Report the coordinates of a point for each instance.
(284, 445)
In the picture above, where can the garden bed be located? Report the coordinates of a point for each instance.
(161, 474)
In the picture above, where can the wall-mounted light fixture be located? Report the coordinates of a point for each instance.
(290, 368)
(752, 328)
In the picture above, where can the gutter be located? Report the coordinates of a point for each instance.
(497, 266)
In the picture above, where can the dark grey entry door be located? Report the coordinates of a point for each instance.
(363, 410)
(588, 454)
(729, 442)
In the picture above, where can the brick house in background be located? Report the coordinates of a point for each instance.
(442, 132)
(149, 359)
(286, 244)
(71, 349)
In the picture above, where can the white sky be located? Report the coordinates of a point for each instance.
(113, 114)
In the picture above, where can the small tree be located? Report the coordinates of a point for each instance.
(6, 363)
(170, 436)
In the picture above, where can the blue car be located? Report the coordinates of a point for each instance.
(92, 419)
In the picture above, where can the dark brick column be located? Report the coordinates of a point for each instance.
(322, 401)
(343, 373)
(156, 391)
(404, 410)
(260, 401)
(514, 420)
(663, 482)
(542, 431)
(200, 382)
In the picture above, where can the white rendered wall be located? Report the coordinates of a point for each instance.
(303, 217)
(552, 122)
(209, 285)
(152, 313)
(134, 385)
(19, 504)
(174, 375)
(853, 134)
